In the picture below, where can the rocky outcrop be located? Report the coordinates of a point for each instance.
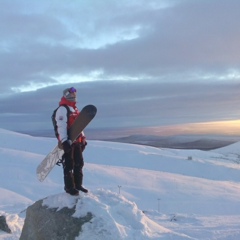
(3, 225)
(98, 215)
(44, 223)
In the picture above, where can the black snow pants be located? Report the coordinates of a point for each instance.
(72, 167)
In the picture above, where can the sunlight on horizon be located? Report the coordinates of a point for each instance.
(230, 127)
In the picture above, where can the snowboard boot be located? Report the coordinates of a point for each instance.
(82, 189)
(72, 191)
(69, 185)
(78, 179)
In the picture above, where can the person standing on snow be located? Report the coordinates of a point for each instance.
(72, 158)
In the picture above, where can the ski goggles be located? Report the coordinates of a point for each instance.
(72, 90)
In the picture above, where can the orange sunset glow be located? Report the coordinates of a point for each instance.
(231, 127)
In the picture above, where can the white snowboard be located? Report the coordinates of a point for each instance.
(48, 163)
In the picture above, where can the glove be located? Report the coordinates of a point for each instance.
(83, 145)
(67, 146)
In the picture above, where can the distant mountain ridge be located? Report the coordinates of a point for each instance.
(200, 142)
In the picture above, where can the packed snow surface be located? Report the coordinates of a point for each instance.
(136, 192)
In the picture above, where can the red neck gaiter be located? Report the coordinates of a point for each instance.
(64, 101)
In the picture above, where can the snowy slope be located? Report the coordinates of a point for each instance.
(184, 194)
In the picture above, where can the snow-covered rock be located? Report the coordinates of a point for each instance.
(43, 222)
(102, 215)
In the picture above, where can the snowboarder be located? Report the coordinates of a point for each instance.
(73, 151)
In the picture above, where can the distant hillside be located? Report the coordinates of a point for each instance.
(201, 142)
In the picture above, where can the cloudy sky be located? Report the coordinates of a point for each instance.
(162, 66)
